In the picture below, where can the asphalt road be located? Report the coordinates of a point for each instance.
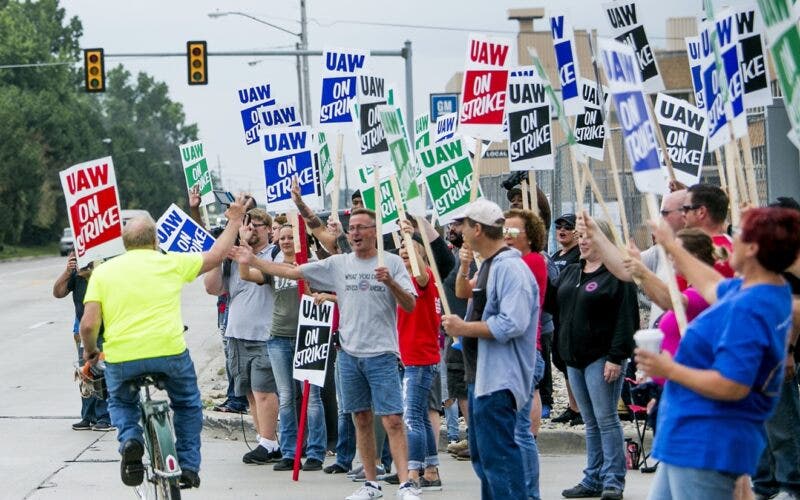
(44, 458)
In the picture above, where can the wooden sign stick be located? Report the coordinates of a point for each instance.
(337, 171)
(401, 213)
(534, 190)
(378, 214)
(476, 170)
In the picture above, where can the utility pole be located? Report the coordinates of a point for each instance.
(300, 94)
(304, 43)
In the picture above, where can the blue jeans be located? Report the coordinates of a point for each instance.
(281, 353)
(451, 415)
(526, 442)
(597, 400)
(184, 398)
(93, 409)
(422, 449)
(683, 483)
(346, 435)
(495, 456)
(779, 466)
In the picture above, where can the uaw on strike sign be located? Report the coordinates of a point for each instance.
(484, 87)
(90, 190)
(313, 342)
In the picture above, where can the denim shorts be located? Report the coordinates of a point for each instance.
(538, 372)
(249, 366)
(370, 383)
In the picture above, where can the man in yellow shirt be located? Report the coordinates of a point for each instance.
(137, 297)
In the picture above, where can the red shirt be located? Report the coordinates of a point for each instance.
(723, 266)
(419, 329)
(538, 267)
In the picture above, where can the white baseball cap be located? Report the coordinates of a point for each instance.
(484, 212)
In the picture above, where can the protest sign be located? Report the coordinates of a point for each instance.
(276, 115)
(755, 72)
(695, 68)
(325, 163)
(684, 129)
(443, 104)
(590, 130)
(195, 170)
(339, 84)
(447, 170)
(313, 342)
(404, 165)
(567, 61)
(445, 127)
(177, 232)
(422, 131)
(251, 98)
(529, 137)
(371, 94)
(783, 37)
(725, 24)
(626, 27)
(717, 124)
(389, 215)
(90, 190)
(484, 87)
(287, 153)
(625, 84)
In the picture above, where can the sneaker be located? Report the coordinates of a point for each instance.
(581, 491)
(260, 456)
(130, 466)
(312, 464)
(361, 475)
(463, 456)
(389, 478)
(545, 411)
(457, 446)
(83, 425)
(354, 472)
(409, 491)
(426, 485)
(367, 492)
(103, 427)
(189, 479)
(565, 417)
(576, 420)
(334, 468)
(611, 494)
(284, 464)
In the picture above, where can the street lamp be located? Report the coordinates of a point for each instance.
(303, 89)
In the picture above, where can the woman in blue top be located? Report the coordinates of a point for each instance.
(724, 380)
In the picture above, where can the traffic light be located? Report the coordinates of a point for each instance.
(197, 60)
(94, 70)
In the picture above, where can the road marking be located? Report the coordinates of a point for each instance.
(37, 325)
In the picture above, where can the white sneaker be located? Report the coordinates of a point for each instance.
(409, 491)
(369, 491)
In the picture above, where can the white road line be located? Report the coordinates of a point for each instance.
(37, 325)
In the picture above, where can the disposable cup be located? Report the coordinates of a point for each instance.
(649, 339)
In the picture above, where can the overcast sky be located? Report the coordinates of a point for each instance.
(165, 26)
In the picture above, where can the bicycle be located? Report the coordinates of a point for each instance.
(160, 462)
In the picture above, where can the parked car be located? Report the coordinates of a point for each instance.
(66, 243)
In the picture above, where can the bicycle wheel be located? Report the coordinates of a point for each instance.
(166, 488)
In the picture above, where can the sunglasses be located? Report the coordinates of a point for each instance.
(565, 226)
(512, 232)
(689, 208)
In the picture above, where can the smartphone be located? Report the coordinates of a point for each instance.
(223, 197)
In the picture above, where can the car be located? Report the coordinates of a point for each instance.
(66, 243)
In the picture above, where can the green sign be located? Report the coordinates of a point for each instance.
(389, 215)
(448, 174)
(195, 169)
(404, 165)
(325, 163)
(422, 131)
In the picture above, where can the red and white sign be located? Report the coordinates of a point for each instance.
(90, 190)
(484, 86)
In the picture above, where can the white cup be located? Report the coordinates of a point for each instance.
(649, 339)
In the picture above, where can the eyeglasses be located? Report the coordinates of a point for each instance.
(359, 228)
(688, 208)
(256, 225)
(665, 213)
(565, 226)
(512, 232)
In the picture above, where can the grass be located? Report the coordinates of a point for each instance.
(13, 252)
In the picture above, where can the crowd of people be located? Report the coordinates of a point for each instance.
(515, 310)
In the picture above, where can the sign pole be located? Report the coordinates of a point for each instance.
(526, 203)
(337, 172)
(436, 276)
(534, 191)
(750, 170)
(401, 214)
(378, 214)
(476, 170)
(612, 156)
(301, 430)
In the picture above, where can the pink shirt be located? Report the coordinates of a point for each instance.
(669, 324)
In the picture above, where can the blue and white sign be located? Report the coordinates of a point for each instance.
(339, 84)
(695, 67)
(250, 99)
(443, 104)
(712, 92)
(278, 115)
(289, 153)
(445, 127)
(727, 37)
(177, 232)
(567, 61)
(638, 133)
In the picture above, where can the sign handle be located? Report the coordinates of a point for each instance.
(534, 192)
(526, 203)
(623, 218)
(436, 276)
(576, 175)
(378, 213)
(337, 171)
(476, 170)
(401, 213)
(733, 191)
(204, 216)
(672, 284)
(301, 428)
(750, 170)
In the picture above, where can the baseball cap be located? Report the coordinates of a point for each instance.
(484, 212)
(566, 219)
